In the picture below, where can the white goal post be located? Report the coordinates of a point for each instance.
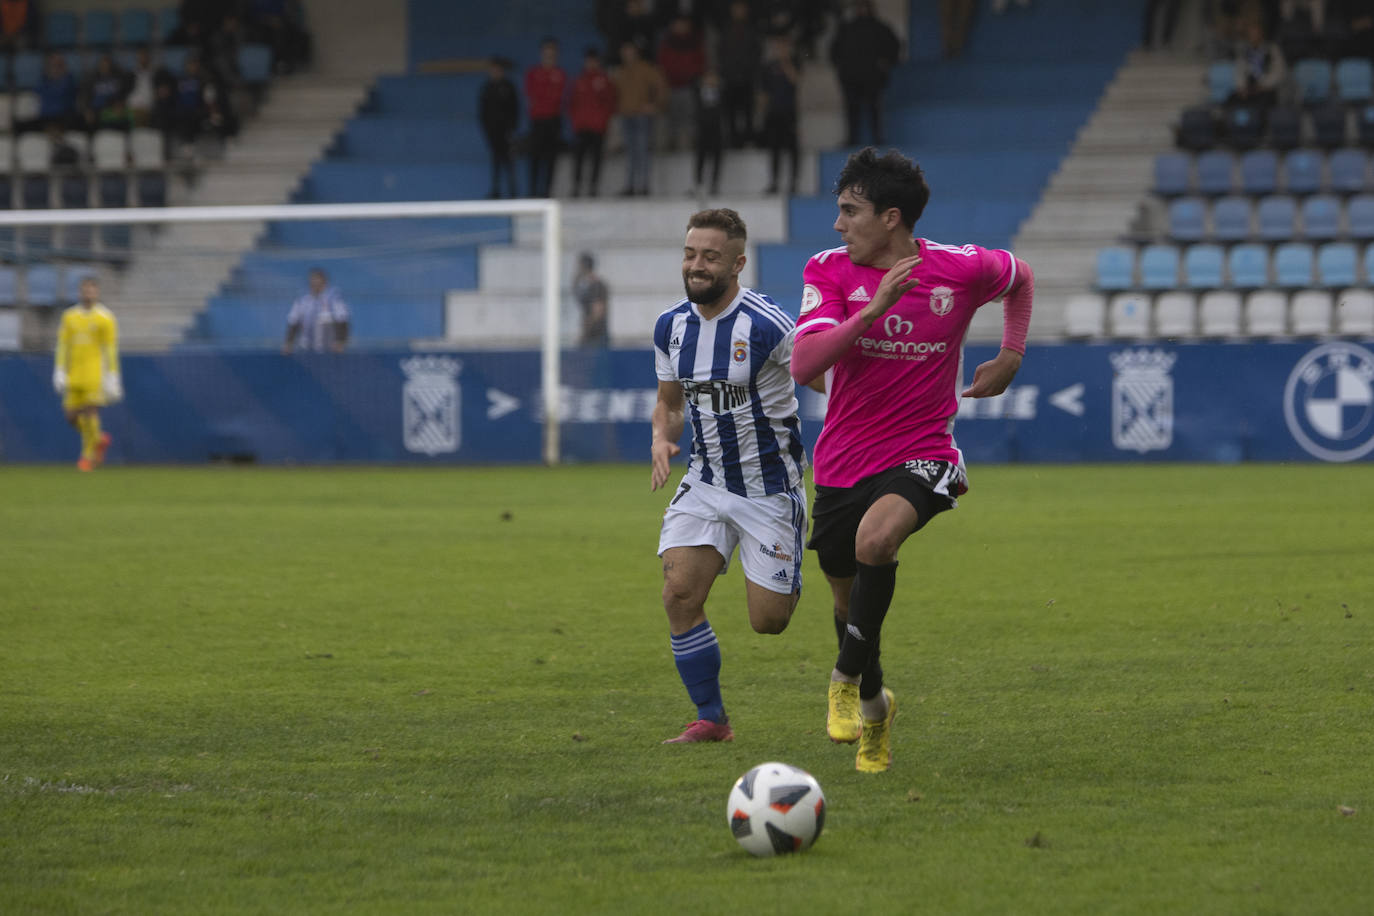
(549, 212)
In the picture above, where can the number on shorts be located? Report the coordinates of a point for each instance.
(681, 492)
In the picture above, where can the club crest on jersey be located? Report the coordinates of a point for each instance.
(740, 350)
(811, 298)
(941, 300)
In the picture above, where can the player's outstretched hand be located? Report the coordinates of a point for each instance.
(992, 377)
(660, 454)
(113, 387)
(896, 283)
(59, 381)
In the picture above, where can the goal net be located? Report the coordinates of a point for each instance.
(416, 277)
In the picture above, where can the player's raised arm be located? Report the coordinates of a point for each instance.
(992, 377)
(668, 423)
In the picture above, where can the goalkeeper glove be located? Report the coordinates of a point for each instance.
(59, 381)
(112, 386)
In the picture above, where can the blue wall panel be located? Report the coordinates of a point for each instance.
(1101, 403)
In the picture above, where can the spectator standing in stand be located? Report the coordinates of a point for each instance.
(545, 87)
(498, 109)
(634, 25)
(864, 52)
(779, 86)
(590, 109)
(642, 91)
(103, 96)
(682, 57)
(738, 54)
(710, 132)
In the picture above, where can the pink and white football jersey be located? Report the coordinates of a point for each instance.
(893, 397)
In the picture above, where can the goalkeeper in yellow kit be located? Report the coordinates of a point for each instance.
(86, 370)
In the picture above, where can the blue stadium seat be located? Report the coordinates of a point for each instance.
(1293, 263)
(135, 27)
(1202, 266)
(152, 189)
(1285, 128)
(255, 64)
(1348, 170)
(168, 21)
(1197, 129)
(1172, 174)
(1248, 266)
(1277, 215)
(1313, 77)
(74, 190)
(1354, 80)
(1231, 219)
(40, 285)
(1259, 172)
(1367, 261)
(9, 285)
(1364, 125)
(34, 191)
(1329, 125)
(1321, 217)
(1115, 267)
(1337, 264)
(1359, 215)
(173, 57)
(113, 189)
(1302, 171)
(1244, 127)
(60, 29)
(28, 69)
(98, 29)
(1215, 170)
(1159, 267)
(1221, 80)
(1187, 219)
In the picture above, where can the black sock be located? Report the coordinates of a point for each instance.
(869, 600)
(839, 629)
(872, 683)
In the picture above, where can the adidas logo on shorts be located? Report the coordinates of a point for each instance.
(780, 576)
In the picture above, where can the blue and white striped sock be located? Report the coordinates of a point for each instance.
(697, 656)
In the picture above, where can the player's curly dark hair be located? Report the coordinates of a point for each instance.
(722, 218)
(886, 181)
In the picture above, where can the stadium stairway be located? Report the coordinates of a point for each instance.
(168, 282)
(1093, 196)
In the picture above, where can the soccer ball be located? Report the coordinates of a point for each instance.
(776, 808)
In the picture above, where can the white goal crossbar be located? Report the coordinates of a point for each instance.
(548, 210)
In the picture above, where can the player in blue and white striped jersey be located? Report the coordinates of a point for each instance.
(722, 357)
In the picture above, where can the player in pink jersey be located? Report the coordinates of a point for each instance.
(885, 316)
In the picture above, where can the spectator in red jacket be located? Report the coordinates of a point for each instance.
(593, 103)
(545, 88)
(682, 56)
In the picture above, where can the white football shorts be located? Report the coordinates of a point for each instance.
(769, 530)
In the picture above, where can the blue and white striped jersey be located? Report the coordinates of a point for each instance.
(740, 398)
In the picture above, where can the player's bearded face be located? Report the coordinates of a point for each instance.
(709, 265)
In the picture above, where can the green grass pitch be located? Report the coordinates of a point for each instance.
(1127, 689)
